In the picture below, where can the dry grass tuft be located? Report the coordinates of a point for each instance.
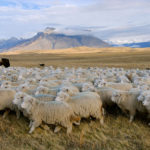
(117, 133)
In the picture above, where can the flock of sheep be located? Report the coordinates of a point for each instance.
(63, 97)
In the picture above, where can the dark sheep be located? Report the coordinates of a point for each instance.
(147, 68)
(5, 62)
(42, 65)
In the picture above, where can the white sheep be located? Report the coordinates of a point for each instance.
(29, 89)
(46, 90)
(49, 84)
(45, 97)
(122, 79)
(127, 101)
(71, 90)
(14, 77)
(118, 86)
(88, 86)
(53, 112)
(9, 83)
(84, 104)
(6, 101)
(105, 95)
(19, 98)
(146, 103)
(142, 95)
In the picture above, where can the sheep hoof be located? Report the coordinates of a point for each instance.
(30, 124)
(131, 119)
(104, 111)
(57, 129)
(77, 123)
(6, 114)
(102, 121)
(31, 130)
(69, 130)
(45, 127)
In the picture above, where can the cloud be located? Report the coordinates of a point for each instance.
(105, 19)
(126, 34)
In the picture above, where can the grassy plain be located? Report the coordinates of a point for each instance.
(116, 134)
(84, 57)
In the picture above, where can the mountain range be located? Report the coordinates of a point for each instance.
(48, 39)
(133, 45)
(138, 45)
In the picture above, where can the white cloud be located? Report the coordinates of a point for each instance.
(112, 17)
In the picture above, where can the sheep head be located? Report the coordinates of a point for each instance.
(116, 97)
(27, 104)
(62, 96)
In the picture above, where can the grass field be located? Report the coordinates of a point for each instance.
(116, 134)
(114, 57)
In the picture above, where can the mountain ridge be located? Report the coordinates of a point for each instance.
(133, 45)
(49, 39)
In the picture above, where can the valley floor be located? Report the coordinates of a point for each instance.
(108, 57)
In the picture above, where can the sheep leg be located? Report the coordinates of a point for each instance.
(18, 114)
(6, 113)
(104, 111)
(101, 116)
(131, 118)
(69, 128)
(35, 124)
(30, 124)
(132, 114)
(57, 129)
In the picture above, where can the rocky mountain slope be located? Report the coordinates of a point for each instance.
(50, 40)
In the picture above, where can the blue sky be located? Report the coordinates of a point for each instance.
(110, 20)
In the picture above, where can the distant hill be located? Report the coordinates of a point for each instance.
(12, 42)
(50, 40)
(133, 45)
(140, 44)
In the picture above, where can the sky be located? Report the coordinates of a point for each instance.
(118, 21)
